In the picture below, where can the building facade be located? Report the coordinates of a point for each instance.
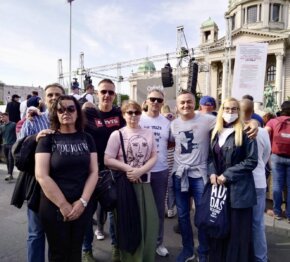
(249, 21)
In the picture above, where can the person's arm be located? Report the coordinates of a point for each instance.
(252, 128)
(248, 164)
(49, 187)
(135, 174)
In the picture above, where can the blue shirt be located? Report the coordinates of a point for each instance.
(32, 127)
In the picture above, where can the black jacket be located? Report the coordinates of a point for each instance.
(26, 187)
(239, 164)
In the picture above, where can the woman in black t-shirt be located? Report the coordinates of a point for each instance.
(67, 171)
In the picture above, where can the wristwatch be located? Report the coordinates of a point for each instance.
(84, 202)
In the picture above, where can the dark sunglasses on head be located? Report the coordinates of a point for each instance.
(110, 92)
(135, 113)
(153, 99)
(69, 109)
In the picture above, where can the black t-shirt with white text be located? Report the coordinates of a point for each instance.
(100, 133)
(70, 161)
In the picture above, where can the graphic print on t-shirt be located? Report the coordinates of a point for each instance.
(77, 148)
(110, 122)
(137, 151)
(186, 138)
(157, 134)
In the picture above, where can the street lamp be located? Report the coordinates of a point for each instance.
(70, 5)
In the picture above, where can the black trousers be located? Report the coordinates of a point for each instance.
(238, 247)
(9, 158)
(64, 238)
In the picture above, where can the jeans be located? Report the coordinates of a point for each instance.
(9, 158)
(259, 236)
(159, 182)
(280, 175)
(171, 194)
(196, 187)
(36, 238)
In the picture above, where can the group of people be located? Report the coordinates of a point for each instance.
(73, 143)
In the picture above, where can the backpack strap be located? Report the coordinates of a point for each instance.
(123, 147)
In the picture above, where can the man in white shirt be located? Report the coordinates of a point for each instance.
(160, 126)
(23, 107)
(75, 89)
(264, 151)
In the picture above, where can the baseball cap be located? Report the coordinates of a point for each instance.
(207, 101)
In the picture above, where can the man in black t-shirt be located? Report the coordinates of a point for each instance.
(101, 122)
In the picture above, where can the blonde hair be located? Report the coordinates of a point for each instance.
(237, 125)
(165, 109)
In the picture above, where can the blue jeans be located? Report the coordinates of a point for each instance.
(280, 174)
(36, 238)
(196, 187)
(259, 236)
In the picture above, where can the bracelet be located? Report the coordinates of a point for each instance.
(84, 202)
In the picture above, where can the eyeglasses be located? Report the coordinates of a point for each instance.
(232, 109)
(69, 109)
(135, 113)
(153, 99)
(110, 92)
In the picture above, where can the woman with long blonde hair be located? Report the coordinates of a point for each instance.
(233, 156)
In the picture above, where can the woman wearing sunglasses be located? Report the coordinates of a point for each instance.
(233, 157)
(141, 156)
(67, 171)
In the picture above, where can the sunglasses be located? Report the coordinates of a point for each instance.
(69, 109)
(135, 113)
(110, 92)
(153, 99)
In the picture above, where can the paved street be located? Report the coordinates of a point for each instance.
(14, 223)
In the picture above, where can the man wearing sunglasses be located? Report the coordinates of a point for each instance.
(101, 122)
(160, 125)
(38, 124)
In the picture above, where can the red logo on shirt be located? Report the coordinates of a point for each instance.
(110, 122)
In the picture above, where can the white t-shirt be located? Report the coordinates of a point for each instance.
(76, 96)
(264, 152)
(23, 108)
(192, 138)
(160, 127)
(89, 97)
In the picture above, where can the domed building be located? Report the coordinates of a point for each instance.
(249, 21)
(147, 67)
(256, 21)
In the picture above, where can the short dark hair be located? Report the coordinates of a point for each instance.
(54, 121)
(55, 85)
(28, 96)
(248, 97)
(35, 93)
(106, 80)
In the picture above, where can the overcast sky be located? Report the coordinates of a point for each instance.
(34, 34)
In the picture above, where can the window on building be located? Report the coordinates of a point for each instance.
(233, 21)
(276, 12)
(260, 13)
(271, 73)
(252, 14)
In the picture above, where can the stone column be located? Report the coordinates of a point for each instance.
(213, 79)
(278, 80)
(225, 80)
(265, 13)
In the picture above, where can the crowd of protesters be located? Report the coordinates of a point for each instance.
(170, 159)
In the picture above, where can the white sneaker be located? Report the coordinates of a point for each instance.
(171, 213)
(100, 235)
(162, 251)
